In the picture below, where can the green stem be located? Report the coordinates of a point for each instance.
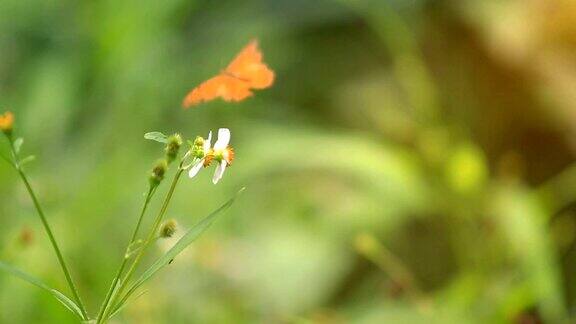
(48, 231)
(380, 255)
(105, 304)
(145, 245)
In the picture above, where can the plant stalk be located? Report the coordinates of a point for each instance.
(48, 231)
(110, 292)
(149, 239)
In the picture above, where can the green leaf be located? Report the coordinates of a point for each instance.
(18, 144)
(133, 248)
(27, 160)
(183, 243)
(124, 304)
(67, 302)
(156, 136)
(523, 219)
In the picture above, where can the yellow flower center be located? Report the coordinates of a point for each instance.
(228, 155)
(208, 158)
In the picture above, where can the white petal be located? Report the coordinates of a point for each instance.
(223, 139)
(194, 170)
(219, 172)
(207, 143)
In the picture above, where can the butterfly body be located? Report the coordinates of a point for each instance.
(232, 75)
(235, 83)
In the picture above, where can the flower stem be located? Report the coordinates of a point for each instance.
(48, 231)
(110, 292)
(149, 239)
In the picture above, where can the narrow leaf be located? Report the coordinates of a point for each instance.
(113, 297)
(27, 160)
(123, 305)
(156, 136)
(183, 243)
(133, 248)
(67, 302)
(18, 144)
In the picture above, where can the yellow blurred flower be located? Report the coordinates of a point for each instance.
(6, 122)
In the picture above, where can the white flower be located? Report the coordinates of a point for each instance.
(203, 154)
(200, 159)
(222, 153)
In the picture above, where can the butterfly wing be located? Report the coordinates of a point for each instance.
(223, 86)
(248, 66)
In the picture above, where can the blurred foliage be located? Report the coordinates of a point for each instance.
(443, 132)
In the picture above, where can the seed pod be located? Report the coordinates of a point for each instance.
(168, 228)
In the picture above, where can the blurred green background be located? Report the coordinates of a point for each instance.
(413, 162)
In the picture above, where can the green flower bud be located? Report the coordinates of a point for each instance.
(158, 172)
(198, 141)
(197, 148)
(168, 228)
(172, 147)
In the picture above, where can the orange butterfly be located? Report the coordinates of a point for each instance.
(235, 83)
